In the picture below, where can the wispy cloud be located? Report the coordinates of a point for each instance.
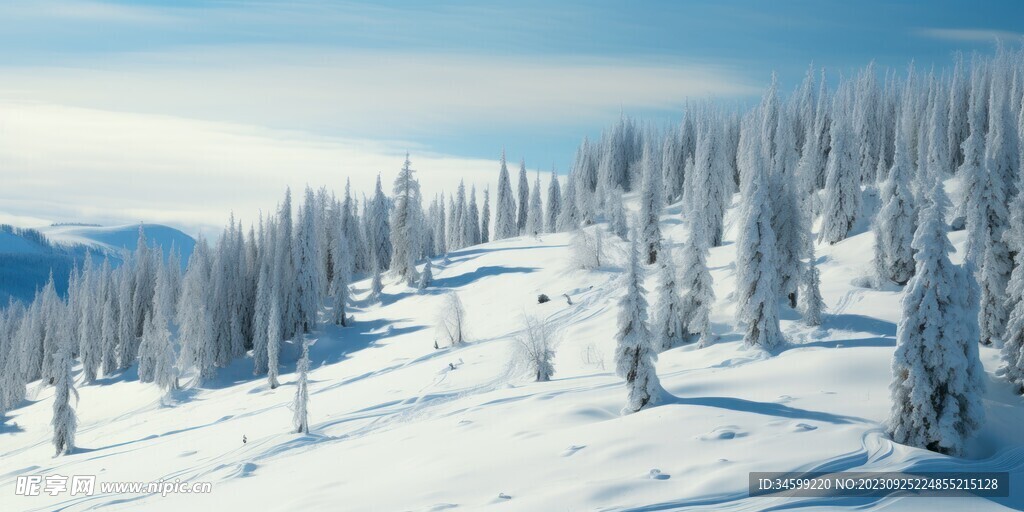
(372, 93)
(970, 35)
(73, 164)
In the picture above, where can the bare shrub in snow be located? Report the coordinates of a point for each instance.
(537, 348)
(451, 322)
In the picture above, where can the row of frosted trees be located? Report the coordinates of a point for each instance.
(835, 158)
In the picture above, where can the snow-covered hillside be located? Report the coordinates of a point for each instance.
(399, 425)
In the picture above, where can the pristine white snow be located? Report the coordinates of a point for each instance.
(395, 428)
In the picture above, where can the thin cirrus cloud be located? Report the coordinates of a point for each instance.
(971, 35)
(372, 92)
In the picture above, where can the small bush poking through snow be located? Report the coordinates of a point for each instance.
(537, 348)
(451, 323)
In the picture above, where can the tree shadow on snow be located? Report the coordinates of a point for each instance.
(764, 408)
(480, 273)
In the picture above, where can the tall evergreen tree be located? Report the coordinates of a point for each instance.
(535, 210)
(405, 224)
(756, 267)
(841, 204)
(635, 353)
(668, 326)
(698, 293)
(524, 199)
(300, 406)
(505, 206)
(554, 204)
(64, 422)
(897, 220)
(650, 207)
(938, 379)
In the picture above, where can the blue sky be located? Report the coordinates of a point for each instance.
(446, 80)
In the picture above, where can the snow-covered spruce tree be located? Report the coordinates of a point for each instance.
(651, 192)
(710, 184)
(471, 220)
(537, 348)
(535, 210)
(616, 212)
(339, 286)
(997, 186)
(673, 162)
(698, 293)
(841, 203)
(426, 277)
(108, 326)
(938, 379)
(485, 218)
(300, 407)
(865, 123)
(126, 339)
(635, 353)
(90, 321)
(756, 268)
(64, 421)
(554, 204)
(1001, 146)
(405, 223)
(668, 310)
(451, 322)
(376, 286)
(1013, 339)
(159, 345)
(811, 302)
(307, 257)
(897, 220)
(505, 205)
(265, 292)
(568, 217)
(273, 343)
(787, 215)
(194, 321)
(378, 228)
(524, 199)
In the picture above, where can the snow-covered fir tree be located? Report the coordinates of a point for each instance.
(635, 353)
(616, 212)
(897, 220)
(505, 206)
(64, 422)
(938, 379)
(756, 267)
(406, 223)
(554, 204)
(300, 406)
(274, 343)
(697, 290)
(535, 210)
(485, 218)
(523, 202)
(841, 203)
(426, 277)
(667, 320)
(811, 303)
(194, 321)
(651, 193)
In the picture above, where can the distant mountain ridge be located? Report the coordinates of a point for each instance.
(28, 256)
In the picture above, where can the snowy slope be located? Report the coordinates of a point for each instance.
(395, 428)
